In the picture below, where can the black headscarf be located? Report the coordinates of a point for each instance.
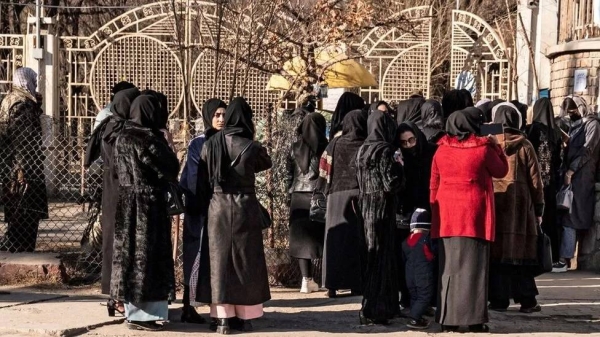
(144, 112)
(355, 125)
(466, 97)
(209, 109)
(382, 135)
(508, 117)
(238, 122)
(120, 109)
(312, 140)
(464, 123)
(109, 129)
(543, 114)
(375, 105)
(523, 108)
(454, 100)
(432, 115)
(123, 85)
(162, 108)
(348, 102)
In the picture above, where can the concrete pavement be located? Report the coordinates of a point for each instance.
(570, 302)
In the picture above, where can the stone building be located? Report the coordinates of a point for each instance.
(577, 52)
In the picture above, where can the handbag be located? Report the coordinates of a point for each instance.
(318, 207)
(265, 217)
(564, 198)
(544, 253)
(175, 199)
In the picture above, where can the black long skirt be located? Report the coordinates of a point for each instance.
(463, 281)
(343, 250)
(306, 237)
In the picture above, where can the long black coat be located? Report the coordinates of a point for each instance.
(143, 269)
(238, 271)
(582, 156)
(22, 159)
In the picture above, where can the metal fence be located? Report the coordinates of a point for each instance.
(53, 161)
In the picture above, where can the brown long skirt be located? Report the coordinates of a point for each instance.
(463, 281)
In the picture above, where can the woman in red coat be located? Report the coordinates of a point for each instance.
(462, 200)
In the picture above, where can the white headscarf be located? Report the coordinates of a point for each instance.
(26, 79)
(495, 109)
(482, 102)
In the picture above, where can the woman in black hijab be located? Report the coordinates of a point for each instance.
(239, 282)
(306, 236)
(343, 253)
(432, 120)
(196, 271)
(379, 179)
(348, 102)
(523, 109)
(382, 106)
(143, 269)
(455, 100)
(120, 109)
(546, 138)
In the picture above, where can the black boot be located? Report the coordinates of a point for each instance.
(241, 324)
(481, 328)
(223, 326)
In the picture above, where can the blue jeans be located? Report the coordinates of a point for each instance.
(568, 244)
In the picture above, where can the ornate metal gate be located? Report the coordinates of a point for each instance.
(479, 58)
(12, 54)
(400, 60)
(160, 47)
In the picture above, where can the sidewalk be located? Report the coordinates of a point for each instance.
(571, 305)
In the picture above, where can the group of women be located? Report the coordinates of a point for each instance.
(488, 196)
(224, 263)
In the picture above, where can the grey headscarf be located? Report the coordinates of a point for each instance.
(26, 79)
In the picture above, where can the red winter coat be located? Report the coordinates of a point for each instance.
(462, 192)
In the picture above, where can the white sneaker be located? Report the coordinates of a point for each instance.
(559, 267)
(308, 286)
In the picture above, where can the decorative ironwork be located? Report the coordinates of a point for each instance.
(400, 61)
(11, 57)
(477, 50)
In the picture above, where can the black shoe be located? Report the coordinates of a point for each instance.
(450, 328)
(214, 322)
(331, 293)
(222, 326)
(368, 321)
(479, 328)
(530, 310)
(190, 315)
(146, 326)
(498, 309)
(420, 324)
(430, 312)
(113, 306)
(241, 324)
(355, 292)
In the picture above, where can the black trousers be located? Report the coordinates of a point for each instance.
(514, 282)
(401, 235)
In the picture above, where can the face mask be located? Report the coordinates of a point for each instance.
(574, 117)
(411, 151)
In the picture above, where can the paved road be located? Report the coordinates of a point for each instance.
(571, 306)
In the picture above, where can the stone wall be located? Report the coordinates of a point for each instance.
(563, 70)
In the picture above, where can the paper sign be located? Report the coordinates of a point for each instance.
(333, 96)
(580, 80)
